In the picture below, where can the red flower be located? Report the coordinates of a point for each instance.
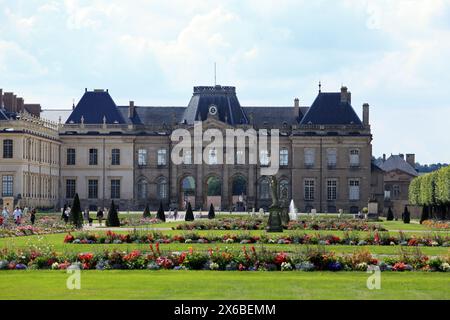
(280, 258)
(69, 238)
(399, 266)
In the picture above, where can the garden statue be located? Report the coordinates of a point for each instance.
(275, 223)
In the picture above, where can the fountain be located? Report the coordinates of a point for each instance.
(293, 211)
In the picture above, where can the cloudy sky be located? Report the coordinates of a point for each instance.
(394, 55)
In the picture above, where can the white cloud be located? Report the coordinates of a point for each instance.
(29, 66)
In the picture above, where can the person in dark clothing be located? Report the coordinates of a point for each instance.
(63, 215)
(100, 216)
(33, 216)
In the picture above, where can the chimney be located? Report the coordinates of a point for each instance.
(20, 105)
(346, 97)
(384, 157)
(1, 98)
(402, 156)
(297, 108)
(9, 100)
(366, 114)
(131, 110)
(411, 159)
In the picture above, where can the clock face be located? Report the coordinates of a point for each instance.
(213, 110)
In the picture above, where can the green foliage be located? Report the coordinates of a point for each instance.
(161, 215)
(76, 216)
(189, 213)
(113, 216)
(432, 189)
(414, 191)
(443, 186)
(212, 212)
(147, 213)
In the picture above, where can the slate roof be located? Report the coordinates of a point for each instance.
(328, 109)
(224, 98)
(93, 106)
(153, 115)
(274, 115)
(395, 162)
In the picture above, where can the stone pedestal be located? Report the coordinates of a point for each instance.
(274, 224)
(8, 203)
(373, 211)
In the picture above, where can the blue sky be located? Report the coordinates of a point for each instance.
(391, 54)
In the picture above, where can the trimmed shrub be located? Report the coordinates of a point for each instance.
(212, 212)
(76, 216)
(189, 213)
(406, 216)
(390, 215)
(113, 216)
(161, 215)
(147, 213)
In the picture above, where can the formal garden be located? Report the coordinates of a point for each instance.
(215, 255)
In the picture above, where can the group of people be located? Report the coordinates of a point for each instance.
(18, 216)
(86, 215)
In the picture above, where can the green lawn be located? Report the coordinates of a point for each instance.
(56, 240)
(200, 285)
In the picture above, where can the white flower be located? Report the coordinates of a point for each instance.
(213, 266)
(361, 266)
(286, 266)
(445, 266)
(55, 266)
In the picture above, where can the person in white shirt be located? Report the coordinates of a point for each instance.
(5, 215)
(17, 215)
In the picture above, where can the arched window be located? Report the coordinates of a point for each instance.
(142, 189)
(214, 186)
(162, 189)
(264, 189)
(284, 189)
(284, 157)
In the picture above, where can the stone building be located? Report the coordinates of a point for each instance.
(398, 174)
(123, 153)
(29, 154)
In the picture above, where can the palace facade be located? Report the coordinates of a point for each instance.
(108, 152)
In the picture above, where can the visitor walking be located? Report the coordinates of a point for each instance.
(5, 217)
(17, 216)
(175, 214)
(66, 215)
(86, 215)
(33, 216)
(100, 216)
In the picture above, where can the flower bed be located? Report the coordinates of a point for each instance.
(44, 225)
(219, 259)
(138, 221)
(436, 224)
(375, 238)
(261, 224)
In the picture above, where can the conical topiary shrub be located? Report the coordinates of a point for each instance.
(390, 215)
(76, 217)
(113, 216)
(147, 213)
(212, 212)
(161, 215)
(189, 213)
(406, 216)
(425, 214)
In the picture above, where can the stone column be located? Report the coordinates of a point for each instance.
(199, 187)
(225, 189)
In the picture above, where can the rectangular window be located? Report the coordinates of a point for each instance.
(162, 157)
(309, 189)
(71, 185)
(93, 157)
(310, 155)
(115, 157)
(332, 190)
(331, 157)
(284, 157)
(187, 157)
(71, 155)
(93, 189)
(7, 186)
(142, 157)
(354, 190)
(354, 158)
(115, 189)
(8, 149)
(264, 158)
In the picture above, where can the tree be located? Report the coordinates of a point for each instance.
(76, 216)
(161, 215)
(147, 213)
(212, 212)
(390, 215)
(113, 216)
(425, 214)
(189, 213)
(406, 216)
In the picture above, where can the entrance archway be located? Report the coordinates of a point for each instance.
(187, 193)
(213, 192)
(239, 193)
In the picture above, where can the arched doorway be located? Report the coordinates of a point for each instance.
(239, 193)
(213, 192)
(187, 193)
